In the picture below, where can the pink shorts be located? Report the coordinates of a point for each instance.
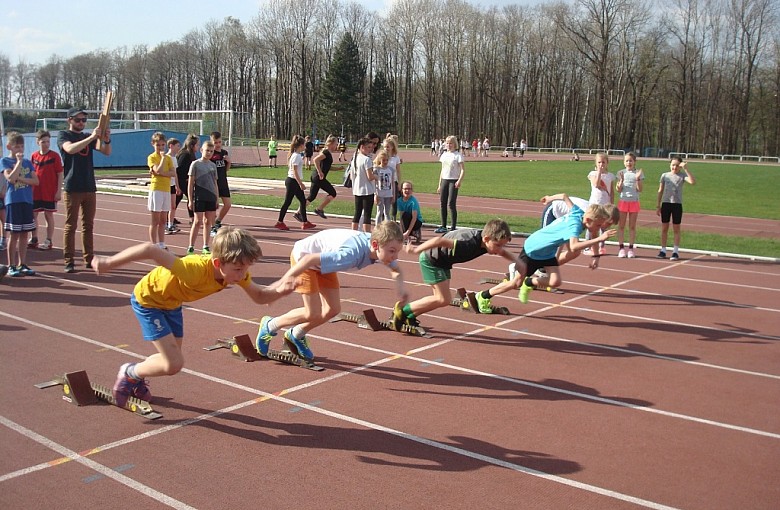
(628, 207)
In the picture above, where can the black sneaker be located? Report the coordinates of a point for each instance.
(661, 255)
(675, 256)
(320, 213)
(70, 268)
(298, 217)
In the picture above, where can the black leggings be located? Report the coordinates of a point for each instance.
(318, 184)
(293, 191)
(406, 219)
(449, 197)
(364, 205)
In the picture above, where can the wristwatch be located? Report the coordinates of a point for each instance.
(107, 142)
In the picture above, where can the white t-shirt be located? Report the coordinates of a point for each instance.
(295, 166)
(361, 184)
(450, 165)
(340, 249)
(598, 195)
(386, 183)
(561, 208)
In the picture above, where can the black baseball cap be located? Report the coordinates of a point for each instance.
(75, 111)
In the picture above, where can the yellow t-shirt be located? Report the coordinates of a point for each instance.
(160, 183)
(191, 278)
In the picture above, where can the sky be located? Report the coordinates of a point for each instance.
(34, 31)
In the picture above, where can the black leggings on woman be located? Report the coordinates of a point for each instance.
(364, 205)
(293, 191)
(449, 197)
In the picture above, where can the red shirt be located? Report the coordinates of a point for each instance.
(47, 166)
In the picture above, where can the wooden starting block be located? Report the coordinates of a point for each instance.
(78, 390)
(369, 320)
(467, 301)
(243, 348)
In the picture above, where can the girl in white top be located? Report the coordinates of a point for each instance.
(629, 186)
(602, 189)
(450, 179)
(391, 146)
(294, 185)
(363, 184)
(385, 186)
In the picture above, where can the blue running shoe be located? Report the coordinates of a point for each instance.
(298, 346)
(124, 386)
(26, 271)
(263, 336)
(14, 271)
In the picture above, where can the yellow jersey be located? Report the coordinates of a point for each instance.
(160, 183)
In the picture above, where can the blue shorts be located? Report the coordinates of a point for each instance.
(156, 323)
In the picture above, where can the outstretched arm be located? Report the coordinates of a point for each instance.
(560, 196)
(435, 242)
(145, 251)
(264, 295)
(400, 287)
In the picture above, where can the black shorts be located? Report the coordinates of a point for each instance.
(673, 211)
(44, 205)
(204, 205)
(532, 264)
(222, 187)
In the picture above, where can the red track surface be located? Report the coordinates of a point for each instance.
(647, 384)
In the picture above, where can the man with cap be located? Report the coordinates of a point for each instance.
(79, 183)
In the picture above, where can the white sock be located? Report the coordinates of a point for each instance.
(298, 332)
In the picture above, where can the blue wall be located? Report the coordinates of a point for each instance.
(130, 148)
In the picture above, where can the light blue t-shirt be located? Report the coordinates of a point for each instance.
(543, 244)
(339, 249)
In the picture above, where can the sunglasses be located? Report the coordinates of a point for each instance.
(79, 119)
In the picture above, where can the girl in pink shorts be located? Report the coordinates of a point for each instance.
(629, 185)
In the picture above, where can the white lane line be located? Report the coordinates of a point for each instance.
(95, 466)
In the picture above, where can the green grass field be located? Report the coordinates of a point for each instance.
(729, 189)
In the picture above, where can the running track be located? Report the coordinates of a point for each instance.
(647, 384)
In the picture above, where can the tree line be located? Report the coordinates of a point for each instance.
(685, 75)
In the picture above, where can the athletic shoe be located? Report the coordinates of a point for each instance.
(176, 222)
(525, 292)
(26, 271)
(88, 265)
(412, 322)
(441, 230)
(46, 245)
(299, 346)
(32, 243)
(213, 231)
(320, 213)
(14, 271)
(141, 391)
(587, 251)
(484, 304)
(661, 255)
(622, 253)
(397, 318)
(70, 268)
(298, 217)
(630, 254)
(281, 226)
(124, 386)
(675, 256)
(206, 250)
(603, 250)
(263, 336)
(191, 250)
(308, 225)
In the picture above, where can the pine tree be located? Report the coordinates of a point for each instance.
(338, 104)
(381, 115)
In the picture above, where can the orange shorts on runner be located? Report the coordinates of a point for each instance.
(311, 281)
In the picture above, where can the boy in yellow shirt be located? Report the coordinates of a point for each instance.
(158, 297)
(161, 168)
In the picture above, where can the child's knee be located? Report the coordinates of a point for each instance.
(173, 366)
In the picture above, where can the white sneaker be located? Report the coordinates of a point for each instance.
(622, 253)
(630, 254)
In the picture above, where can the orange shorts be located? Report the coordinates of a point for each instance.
(628, 207)
(311, 281)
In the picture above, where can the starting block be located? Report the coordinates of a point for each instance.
(467, 301)
(496, 281)
(242, 347)
(369, 320)
(77, 389)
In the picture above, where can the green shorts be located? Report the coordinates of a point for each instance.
(430, 273)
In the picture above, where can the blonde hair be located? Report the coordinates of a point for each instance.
(603, 212)
(452, 138)
(235, 245)
(392, 145)
(208, 144)
(497, 230)
(14, 137)
(603, 155)
(381, 156)
(386, 232)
